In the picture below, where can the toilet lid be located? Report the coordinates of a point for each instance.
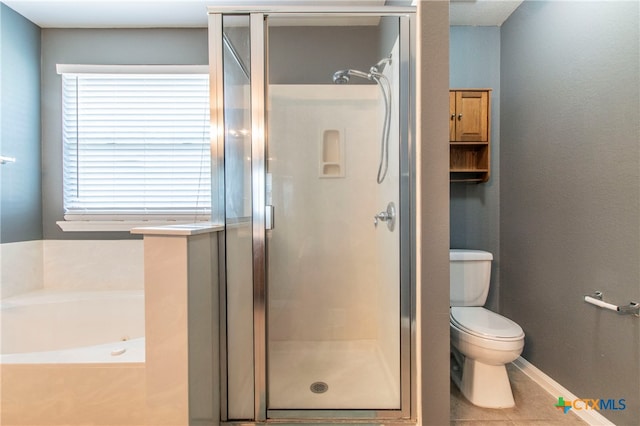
(484, 323)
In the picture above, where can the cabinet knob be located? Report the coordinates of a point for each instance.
(460, 116)
(453, 116)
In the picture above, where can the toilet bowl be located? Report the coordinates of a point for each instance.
(482, 341)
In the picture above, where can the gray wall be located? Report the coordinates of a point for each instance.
(20, 190)
(310, 55)
(433, 205)
(474, 60)
(98, 46)
(292, 62)
(569, 198)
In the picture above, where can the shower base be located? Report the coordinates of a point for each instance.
(355, 373)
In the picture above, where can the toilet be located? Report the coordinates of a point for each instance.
(482, 342)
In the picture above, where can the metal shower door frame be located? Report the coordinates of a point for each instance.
(259, 141)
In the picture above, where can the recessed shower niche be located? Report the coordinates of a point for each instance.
(332, 154)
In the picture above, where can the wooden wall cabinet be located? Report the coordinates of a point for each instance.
(469, 135)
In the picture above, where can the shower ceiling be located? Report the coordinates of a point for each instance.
(192, 13)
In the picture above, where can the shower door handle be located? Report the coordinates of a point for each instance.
(268, 217)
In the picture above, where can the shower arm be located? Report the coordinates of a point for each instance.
(377, 68)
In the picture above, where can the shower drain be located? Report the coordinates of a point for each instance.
(319, 387)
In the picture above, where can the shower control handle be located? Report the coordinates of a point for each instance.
(383, 216)
(388, 216)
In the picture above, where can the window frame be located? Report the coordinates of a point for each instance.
(115, 221)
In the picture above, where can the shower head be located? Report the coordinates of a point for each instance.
(343, 76)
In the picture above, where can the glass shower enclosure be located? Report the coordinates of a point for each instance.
(312, 141)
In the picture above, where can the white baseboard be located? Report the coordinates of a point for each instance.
(592, 417)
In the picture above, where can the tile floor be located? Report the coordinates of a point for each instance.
(534, 406)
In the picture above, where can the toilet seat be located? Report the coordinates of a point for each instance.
(483, 323)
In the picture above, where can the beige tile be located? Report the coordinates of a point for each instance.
(534, 406)
(463, 410)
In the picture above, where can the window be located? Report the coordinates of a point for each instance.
(136, 146)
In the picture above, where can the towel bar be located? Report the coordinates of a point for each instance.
(633, 308)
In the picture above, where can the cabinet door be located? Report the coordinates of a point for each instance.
(471, 116)
(452, 116)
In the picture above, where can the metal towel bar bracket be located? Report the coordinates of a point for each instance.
(633, 308)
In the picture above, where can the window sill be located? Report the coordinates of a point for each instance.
(188, 229)
(115, 225)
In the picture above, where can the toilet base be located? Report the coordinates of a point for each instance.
(483, 385)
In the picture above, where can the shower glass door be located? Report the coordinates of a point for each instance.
(235, 54)
(333, 274)
(312, 114)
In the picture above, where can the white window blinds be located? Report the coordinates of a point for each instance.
(136, 146)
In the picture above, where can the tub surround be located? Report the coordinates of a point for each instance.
(119, 352)
(181, 317)
(52, 326)
(73, 394)
(21, 267)
(80, 391)
(177, 385)
(97, 264)
(86, 265)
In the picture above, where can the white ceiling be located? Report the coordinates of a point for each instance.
(192, 13)
(481, 12)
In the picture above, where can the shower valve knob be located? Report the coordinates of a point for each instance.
(388, 216)
(383, 216)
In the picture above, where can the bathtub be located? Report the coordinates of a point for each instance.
(69, 326)
(73, 358)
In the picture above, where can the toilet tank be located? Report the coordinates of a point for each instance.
(470, 274)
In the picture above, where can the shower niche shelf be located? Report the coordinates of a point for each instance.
(332, 154)
(469, 135)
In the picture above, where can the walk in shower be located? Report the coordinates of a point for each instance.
(312, 129)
